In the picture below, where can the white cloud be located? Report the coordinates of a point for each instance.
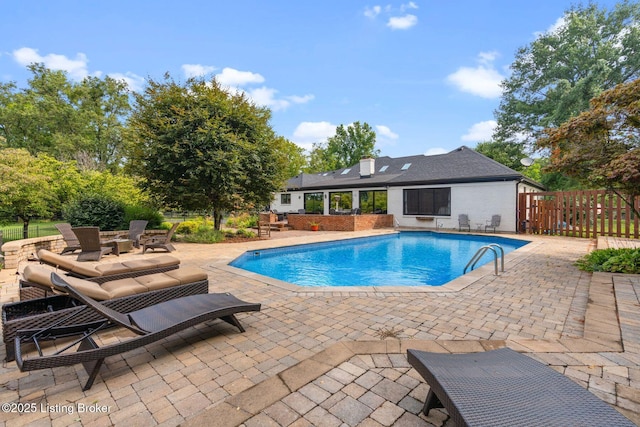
(402, 22)
(385, 132)
(308, 133)
(410, 5)
(372, 12)
(560, 23)
(233, 77)
(480, 132)
(435, 151)
(483, 80)
(197, 70)
(76, 68)
(134, 81)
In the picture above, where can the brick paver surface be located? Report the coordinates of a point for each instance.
(194, 375)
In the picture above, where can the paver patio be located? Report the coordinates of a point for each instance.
(318, 357)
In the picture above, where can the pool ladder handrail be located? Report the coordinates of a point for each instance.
(492, 246)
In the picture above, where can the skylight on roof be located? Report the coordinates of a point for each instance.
(346, 171)
(406, 166)
(384, 168)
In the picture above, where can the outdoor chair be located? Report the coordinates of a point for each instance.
(136, 230)
(119, 294)
(160, 242)
(505, 388)
(109, 271)
(463, 222)
(70, 239)
(495, 222)
(149, 324)
(91, 246)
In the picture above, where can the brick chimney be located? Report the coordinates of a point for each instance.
(367, 167)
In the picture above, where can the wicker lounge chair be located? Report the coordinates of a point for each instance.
(505, 388)
(123, 295)
(136, 230)
(92, 249)
(109, 271)
(150, 324)
(160, 242)
(70, 239)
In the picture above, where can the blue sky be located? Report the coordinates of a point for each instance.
(424, 74)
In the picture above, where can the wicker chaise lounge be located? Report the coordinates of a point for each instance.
(150, 324)
(505, 388)
(109, 271)
(69, 237)
(127, 294)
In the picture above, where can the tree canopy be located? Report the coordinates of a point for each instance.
(66, 120)
(601, 146)
(554, 77)
(199, 147)
(344, 149)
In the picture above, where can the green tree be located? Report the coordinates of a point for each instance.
(554, 77)
(294, 154)
(508, 154)
(344, 149)
(601, 147)
(25, 187)
(69, 121)
(200, 147)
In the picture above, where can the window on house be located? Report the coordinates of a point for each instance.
(313, 203)
(427, 201)
(373, 202)
(384, 168)
(405, 166)
(346, 171)
(285, 199)
(341, 200)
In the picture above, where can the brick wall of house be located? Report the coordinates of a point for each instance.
(340, 222)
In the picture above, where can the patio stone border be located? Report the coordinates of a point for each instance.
(602, 333)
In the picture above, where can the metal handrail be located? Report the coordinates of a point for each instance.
(480, 252)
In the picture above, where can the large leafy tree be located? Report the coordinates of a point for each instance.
(200, 147)
(601, 146)
(81, 121)
(344, 149)
(554, 77)
(25, 185)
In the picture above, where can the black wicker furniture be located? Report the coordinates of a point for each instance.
(505, 388)
(150, 324)
(126, 295)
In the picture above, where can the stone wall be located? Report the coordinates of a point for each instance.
(18, 251)
(340, 222)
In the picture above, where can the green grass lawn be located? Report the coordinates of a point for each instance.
(37, 228)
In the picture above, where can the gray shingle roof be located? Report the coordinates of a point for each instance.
(460, 165)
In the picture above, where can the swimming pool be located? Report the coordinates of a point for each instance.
(401, 259)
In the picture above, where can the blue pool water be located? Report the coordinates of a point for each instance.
(401, 259)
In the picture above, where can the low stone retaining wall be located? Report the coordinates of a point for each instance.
(19, 251)
(340, 222)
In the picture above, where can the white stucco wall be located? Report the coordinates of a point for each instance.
(478, 200)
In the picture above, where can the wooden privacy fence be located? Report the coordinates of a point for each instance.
(586, 214)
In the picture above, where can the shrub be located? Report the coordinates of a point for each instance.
(95, 210)
(610, 260)
(243, 220)
(203, 236)
(194, 226)
(132, 212)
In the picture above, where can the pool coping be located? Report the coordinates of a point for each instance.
(456, 285)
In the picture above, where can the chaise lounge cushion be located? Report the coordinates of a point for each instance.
(121, 287)
(107, 269)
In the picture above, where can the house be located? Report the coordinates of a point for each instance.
(419, 191)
